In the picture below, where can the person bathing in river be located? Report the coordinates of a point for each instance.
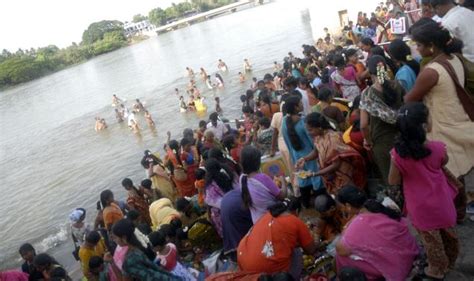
(116, 100)
(241, 77)
(218, 105)
(138, 106)
(219, 81)
(209, 84)
(247, 66)
(191, 104)
(118, 116)
(203, 74)
(149, 119)
(190, 72)
(100, 124)
(222, 66)
(134, 126)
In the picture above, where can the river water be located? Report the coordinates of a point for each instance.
(52, 160)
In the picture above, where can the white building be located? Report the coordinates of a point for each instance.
(142, 27)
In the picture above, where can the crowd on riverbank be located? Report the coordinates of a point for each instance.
(328, 125)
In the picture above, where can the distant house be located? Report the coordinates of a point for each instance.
(134, 28)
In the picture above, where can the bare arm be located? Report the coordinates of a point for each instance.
(394, 177)
(274, 141)
(312, 156)
(329, 169)
(425, 81)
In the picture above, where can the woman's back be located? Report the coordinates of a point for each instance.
(425, 179)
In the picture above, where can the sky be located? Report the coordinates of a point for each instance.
(38, 23)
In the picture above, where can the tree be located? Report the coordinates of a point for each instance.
(138, 18)
(96, 30)
(157, 16)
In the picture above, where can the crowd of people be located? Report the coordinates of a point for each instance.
(346, 115)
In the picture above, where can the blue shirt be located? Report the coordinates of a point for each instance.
(307, 143)
(406, 76)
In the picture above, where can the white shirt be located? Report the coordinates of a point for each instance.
(460, 21)
(219, 130)
(305, 101)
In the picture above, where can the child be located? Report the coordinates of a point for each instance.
(264, 136)
(167, 256)
(28, 253)
(429, 196)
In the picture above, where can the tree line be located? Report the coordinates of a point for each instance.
(99, 38)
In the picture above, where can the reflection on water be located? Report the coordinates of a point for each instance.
(53, 161)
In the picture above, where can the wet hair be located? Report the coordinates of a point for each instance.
(157, 238)
(25, 248)
(125, 228)
(351, 274)
(289, 204)
(146, 183)
(325, 94)
(250, 160)
(220, 173)
(93, 237)
(290, 106)
(105, 196)
(264, 122)
(351, 195)
(182, 204)
(317, 120)
(324, 202)
(400, 51)
(367, 41)
(95, 262)
(411, 141)
(389, 94)
(432, 33)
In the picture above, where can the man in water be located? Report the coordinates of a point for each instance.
(116, 101)
(100, 124)
(222, 66)
(138, 106)
(241, 77)
(176, 91)
(276, 66)
(247, 66)
(190, 72)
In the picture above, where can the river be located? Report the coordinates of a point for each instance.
(53, 161)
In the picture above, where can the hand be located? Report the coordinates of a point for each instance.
(300, 163)
(367, 145)
(108, 257)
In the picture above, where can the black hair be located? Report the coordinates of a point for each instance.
(376, 207)
(291, 82)
(378, 51)
(324, 202)
(27, 247)
(220, 173)
(157, 238)
(202, 123)
(182, 204)
(176, 223)
(351, 195)
(174, 145)
(105, 196)
(281, 276)
(228, 142)
(290, 106)
(350, 52)
(339, 61)
(247, 109)
(325, 93)
(469, 4)
(168, 230)
(125, 228)
(411, 141)
(145, 162)
(243, 98)
(351, 274)
(146, 183)
(127, 183)
(432, 33)
(200, 173)
(214, 116)
(133, 215)
(389, 94)
(264, 122)
(317, 120)
(186, 141)
(400, 51)
(250, 160)
(93, 237)
(289, 204)
(367, 41)
(216, 153)
(435, 3)
(95, 262)
(43, 260)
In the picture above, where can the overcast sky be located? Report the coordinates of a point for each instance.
(37, 23)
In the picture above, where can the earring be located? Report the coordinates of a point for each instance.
(431, 50)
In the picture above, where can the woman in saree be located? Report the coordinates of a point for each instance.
(158, 175)
(184, 183)
(190, 159)
(376, 240)
(162, 212)
(339, 164)
(346, 79)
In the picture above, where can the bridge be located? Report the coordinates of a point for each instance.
(205, 15)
